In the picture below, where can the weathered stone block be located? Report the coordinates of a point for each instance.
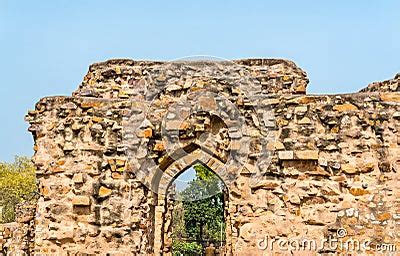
(359, 191)
(104, 192)
(285, 155)
(390, 97)
(304, 120)
(266, 184)
(318, 215)
(159, 146)
(207, 103)
(78, 178)
(173, 125)
(306, 154)
(301, 110)
(81, 201)
(349, 168)
(345, 107)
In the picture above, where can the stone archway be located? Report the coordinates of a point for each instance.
(172, 170)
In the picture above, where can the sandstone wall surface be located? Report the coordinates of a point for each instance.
(17, 238)
(295, 165)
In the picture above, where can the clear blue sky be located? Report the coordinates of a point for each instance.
(47, 46)
(182, 180)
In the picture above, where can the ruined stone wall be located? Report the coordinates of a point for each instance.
(391, 85)
(89, 202)
(295, 165)
(17, 238)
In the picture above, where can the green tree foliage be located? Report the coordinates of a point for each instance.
(17, 184)
(178, 221)
(203, 204)
(186, 248)
(199, 213)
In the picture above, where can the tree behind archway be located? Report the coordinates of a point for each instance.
(199, 210)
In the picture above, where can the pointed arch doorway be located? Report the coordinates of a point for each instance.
(196, 203)
(167, 201)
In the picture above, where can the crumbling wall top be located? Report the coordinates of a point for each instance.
(124, 78)
(391, 85)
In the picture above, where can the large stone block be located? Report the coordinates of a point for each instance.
(307, 154)
(285, 155)
(81, 201)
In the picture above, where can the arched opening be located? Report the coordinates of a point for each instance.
(196, 203)
(164, 202)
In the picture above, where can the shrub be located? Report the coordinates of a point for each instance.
(186, 248)
(17, 184)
